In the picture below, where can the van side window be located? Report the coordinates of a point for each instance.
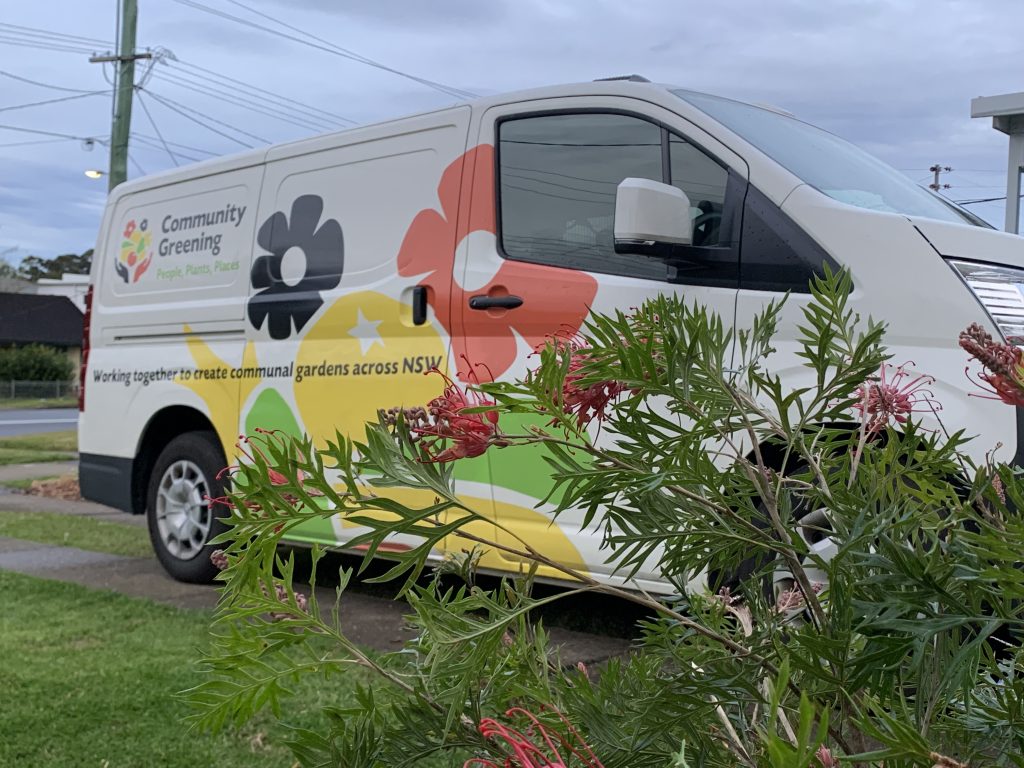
(704, 181)
(557, 180)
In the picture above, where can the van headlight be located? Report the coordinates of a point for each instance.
(1001, 292)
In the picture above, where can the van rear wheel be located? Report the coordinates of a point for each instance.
(181, 518)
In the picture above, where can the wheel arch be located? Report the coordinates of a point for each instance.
(774, 455)
(162, 427)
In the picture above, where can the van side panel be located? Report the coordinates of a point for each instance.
(170, 283)
(306, 326)
(337, 340)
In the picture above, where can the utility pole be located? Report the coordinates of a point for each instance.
(1007, 113)
(938, 170)
(124, 91)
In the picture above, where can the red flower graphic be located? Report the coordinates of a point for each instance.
(143, 265)
(554, 305)
(129, 228)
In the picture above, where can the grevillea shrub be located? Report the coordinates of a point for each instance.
(900, 649)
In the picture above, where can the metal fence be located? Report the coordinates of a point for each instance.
(41, 390)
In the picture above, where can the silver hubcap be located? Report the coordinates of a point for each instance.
(183, 516)
(815, 530)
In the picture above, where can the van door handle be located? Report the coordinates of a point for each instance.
(495, 302)
(419, 305)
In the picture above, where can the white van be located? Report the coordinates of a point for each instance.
(303, 286)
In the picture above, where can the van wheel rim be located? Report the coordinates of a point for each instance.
(815, 529)
(183, 516)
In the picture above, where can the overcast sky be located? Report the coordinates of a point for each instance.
(894, 76)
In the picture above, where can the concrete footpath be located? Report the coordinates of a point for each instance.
(373, 621)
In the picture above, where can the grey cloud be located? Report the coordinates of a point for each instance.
(895, 76)
(415, 13)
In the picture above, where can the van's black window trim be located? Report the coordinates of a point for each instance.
(765, 225)
(732, 212)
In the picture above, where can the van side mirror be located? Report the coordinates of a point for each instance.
(651, 218)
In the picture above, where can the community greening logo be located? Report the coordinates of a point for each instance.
(136, 253)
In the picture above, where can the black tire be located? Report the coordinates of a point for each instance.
(751, 574)
(180, 517)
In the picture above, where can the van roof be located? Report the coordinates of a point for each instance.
(632, 85)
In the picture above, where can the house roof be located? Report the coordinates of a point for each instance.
(27, 318)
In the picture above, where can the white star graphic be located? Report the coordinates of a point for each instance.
(366, 331)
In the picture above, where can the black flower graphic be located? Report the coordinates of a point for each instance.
(278, 303)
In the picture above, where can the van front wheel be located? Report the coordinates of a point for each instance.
(182, 519)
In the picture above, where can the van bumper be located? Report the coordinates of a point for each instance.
(106, 480)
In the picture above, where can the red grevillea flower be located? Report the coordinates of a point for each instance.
(589, 402)
(1004, 368)
(275, 476)
(537, 746)
(219, 559)
(893, 396)
(469, 434)
(826, 758)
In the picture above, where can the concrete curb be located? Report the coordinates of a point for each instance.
(370, 621)
(34, 470)
(23, 502)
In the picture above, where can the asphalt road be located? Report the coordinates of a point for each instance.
(30, 421)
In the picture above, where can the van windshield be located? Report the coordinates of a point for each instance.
(828, 163)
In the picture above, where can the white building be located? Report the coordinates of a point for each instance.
(71, 286)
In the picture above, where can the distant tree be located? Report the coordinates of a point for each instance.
(35, 267)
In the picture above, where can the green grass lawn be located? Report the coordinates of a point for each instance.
(46, 446)
(74, 531)
(88, 679)
(20, 456)
(38, 402)
(44, 441)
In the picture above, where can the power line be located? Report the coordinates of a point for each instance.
(981, 186)
(181, 110)
(36, 32)
(229, 98)
(168, 102)
(156, 146)
(211, 75)
(135, 162)
(982, 200)
(256, 102)
(323, 45)
(176, 144)
(52, 133)
(152, 122)
(348, 52)
(44, 46)
(50, 101)
(43, 85)
(29, 143)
